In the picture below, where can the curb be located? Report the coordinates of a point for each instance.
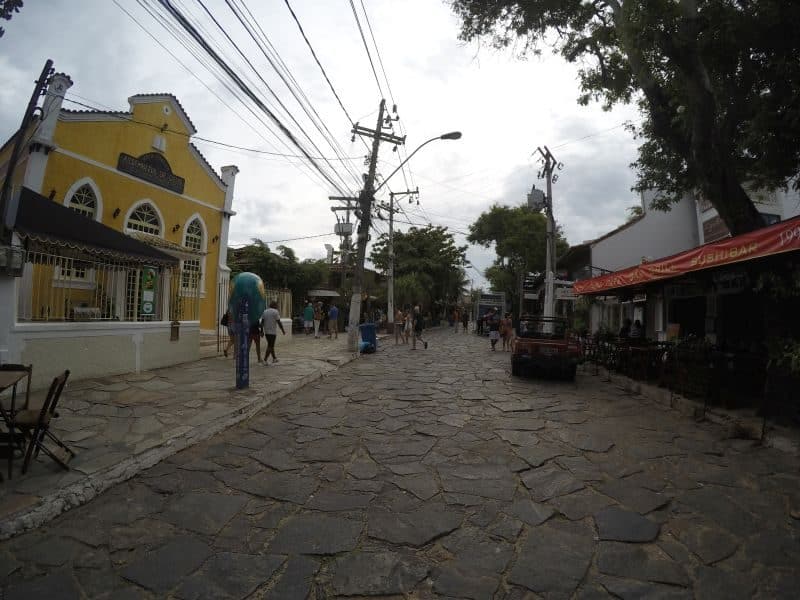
(76, 494)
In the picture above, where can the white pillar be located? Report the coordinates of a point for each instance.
(9, 351)
(42, 143)
(223, 271)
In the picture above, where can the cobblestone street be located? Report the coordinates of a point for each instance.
(434, 473)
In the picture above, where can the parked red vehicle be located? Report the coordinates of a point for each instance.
(544, 345)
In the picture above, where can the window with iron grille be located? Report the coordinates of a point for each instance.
(144, 219)
(84, 201)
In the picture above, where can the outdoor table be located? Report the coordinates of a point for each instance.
(9, 379)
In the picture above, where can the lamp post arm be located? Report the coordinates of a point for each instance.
(402, 164)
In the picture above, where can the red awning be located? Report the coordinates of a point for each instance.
(775, 239)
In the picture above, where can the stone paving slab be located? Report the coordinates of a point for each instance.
(353, 487)
(121, 425)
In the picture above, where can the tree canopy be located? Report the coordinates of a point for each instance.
(282, 270)
(717, 81)
(428, 265)
(518, 235)
(7, 10)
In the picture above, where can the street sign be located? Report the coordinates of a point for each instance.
(565, 293)
(148, 291)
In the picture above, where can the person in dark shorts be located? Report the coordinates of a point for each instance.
(255, 336)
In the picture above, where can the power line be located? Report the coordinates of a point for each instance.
(377, 51)
(366, 47)
(184, 40)
(280, 67)
(268, 87)
(319, 64)
(586, 137)
(305, 237)
(181, 19)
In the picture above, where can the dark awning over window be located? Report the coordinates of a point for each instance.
(44, 220)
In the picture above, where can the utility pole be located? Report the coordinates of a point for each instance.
(365, 207)
(8, 208)
(344, 230)
(390, 274)
(549, 163)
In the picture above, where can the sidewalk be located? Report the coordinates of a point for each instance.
(121, 425)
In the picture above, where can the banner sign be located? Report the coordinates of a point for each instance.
(776, 239)
(148, 291)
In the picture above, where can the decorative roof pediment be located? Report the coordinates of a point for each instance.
(165, 97)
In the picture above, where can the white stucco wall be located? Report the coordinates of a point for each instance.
(96, 349)
(656, 235)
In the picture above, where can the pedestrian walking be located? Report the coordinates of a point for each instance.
(255, 336)
(408, 323)
(456, 320)
(493, 323)
(317, 316)
(479, 323)
(399, 323)
(418, 327)
(270, 322)
(465, 320)
(506, 329)
(333, 321)
(323, 324)
(308, 317)
(228, 323)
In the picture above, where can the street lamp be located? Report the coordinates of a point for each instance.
(453, 135)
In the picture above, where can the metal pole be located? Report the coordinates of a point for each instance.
(390, 278)
(548, 289)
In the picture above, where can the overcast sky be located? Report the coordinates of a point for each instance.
(505, 107)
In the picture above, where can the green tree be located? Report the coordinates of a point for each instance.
(281, 270)
(518, 236)
(7, 10)
(717, 82)
(428, 262)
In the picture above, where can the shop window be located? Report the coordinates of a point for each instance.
(144, 219)
(84, 201)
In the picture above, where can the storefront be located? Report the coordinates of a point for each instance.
(712, 316)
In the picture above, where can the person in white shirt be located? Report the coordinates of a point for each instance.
(270, 321)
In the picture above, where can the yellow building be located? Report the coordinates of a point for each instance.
(154, 254)
(138, 172)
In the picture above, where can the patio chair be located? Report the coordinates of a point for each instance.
(14, 442)
(36, 426)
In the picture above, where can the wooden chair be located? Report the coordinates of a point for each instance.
(14, 442)
(36, 426)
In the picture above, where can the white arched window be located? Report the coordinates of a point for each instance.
(144, 218)
(84, 201)
(191, 274)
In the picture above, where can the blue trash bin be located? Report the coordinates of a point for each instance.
(369, 333)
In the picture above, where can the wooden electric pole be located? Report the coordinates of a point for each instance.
(365, 199)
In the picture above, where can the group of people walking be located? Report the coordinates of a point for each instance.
(409, 323)
(267, 326)
(322, 317)
(500, 327)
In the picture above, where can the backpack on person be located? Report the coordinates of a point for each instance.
(224, 320)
